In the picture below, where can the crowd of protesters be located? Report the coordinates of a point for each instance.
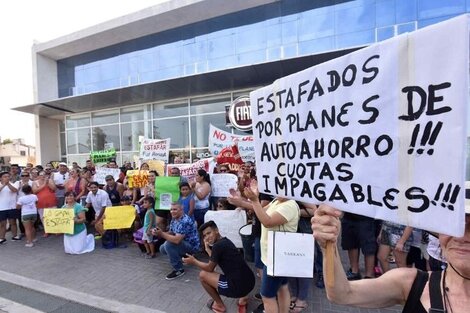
(26, 192)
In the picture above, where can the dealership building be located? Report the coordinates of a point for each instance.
(170, 70)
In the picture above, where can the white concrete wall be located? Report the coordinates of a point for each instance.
(47, 140)
(45, 81)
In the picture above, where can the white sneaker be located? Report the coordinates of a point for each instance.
(35, 240)
(29, 245)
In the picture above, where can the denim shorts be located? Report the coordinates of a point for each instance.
(392, 234)
(270, 285)
(29, 218)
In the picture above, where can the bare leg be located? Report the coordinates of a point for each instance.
(283, 298)
(14, 227)
(353, 255)
(3, 228)
(369, 264)
(382, 255)
(28, 229)
(209, 281)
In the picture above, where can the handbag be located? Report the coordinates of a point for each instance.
(290, 254)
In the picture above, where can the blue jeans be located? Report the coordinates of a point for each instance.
(175, 252)
(199, 216)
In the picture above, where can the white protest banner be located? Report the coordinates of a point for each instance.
(189, 170)
(219, 139)
(221, 184)
(380, 132)
(102, 172)
(229, 223)
(155, 149)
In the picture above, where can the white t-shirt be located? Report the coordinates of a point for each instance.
(60, 179)
(28, 204)
(98, 201)
(8, 198)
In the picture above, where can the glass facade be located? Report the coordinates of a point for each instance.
(286, 29)
(282, 30)
(185, 121)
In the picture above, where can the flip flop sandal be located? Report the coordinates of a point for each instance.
(298, 308)
(242, 308)
(209, 305)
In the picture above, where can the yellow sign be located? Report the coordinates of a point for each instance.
(137, 178)
(58, 221)
(119, 217)
(157, 165)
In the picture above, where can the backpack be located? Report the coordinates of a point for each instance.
(109, 240)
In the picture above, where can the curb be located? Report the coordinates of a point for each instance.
(75, 296)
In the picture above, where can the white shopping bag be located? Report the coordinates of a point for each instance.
(290, 254)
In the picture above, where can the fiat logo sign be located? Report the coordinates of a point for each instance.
(240, 113)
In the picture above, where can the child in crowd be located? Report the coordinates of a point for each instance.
(150, 222)
(139, 217)
(29, 212)
(186, 199)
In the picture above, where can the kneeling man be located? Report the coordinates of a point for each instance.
(237, 281)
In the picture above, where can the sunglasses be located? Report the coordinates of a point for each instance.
(24, 175)
(223, 171)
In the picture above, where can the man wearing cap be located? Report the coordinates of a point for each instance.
(114, 190)
(59, 179)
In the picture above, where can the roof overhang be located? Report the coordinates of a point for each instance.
(255, 75)
(164, 16)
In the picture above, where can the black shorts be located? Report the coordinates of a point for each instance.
(229, 289)
(359, 234)
(9, 214)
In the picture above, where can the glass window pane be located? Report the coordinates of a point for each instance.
(80, 159)
(105, 117)
(106, 137)
(132, 114)
(129, 157)
(175, 128)
(170, 109)
(200, 128)
(78, 141)
(130, 135)
(436, 8)
(209, 105)
(78, 120)
(61, 125)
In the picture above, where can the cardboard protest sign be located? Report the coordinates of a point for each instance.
(157, 165)
(166, 191)
(102, 172)
(219, 139)
(137, 178)
(58, 221)
(119, 217)
(229, 223)
(189, 170)
(379, 132)
(221, 184)
(155, 149)
(102, 156)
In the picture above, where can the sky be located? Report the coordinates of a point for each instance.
(25, 21)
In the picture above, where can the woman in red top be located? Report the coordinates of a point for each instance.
(44, 189)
